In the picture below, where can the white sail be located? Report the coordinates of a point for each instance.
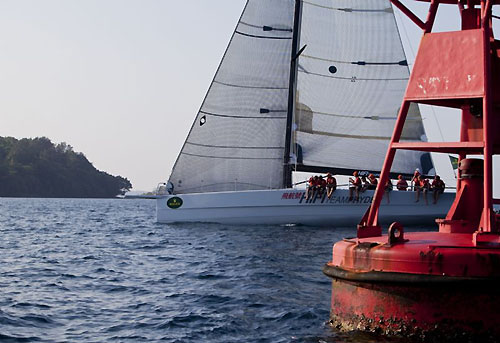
(351, 80)
(237, 140)
(347, 82)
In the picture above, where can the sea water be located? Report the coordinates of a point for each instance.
(87, 270)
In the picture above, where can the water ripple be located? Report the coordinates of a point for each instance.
(89, 270)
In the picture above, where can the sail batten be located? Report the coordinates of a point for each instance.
(245, 86)
(240, 116)
(233, 147)
(355, 78)
(260, 36)
(350, 10)
(232, 157)
(401, 63)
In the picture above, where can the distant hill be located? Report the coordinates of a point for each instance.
(38, 168)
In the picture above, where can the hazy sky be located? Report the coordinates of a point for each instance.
(122, 80)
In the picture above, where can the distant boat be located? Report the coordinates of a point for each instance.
(304, 86)
(142, 196)
(158, 193)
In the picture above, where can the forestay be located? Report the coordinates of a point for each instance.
(238, 137)
(351, 81)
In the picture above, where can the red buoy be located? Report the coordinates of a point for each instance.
(444, 283)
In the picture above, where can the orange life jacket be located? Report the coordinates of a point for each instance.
(439, 184)
(402, 185)
(424, 183)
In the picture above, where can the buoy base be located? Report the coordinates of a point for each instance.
(420, 284)
(458, 311)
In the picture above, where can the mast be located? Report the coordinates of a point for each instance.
(287, 170)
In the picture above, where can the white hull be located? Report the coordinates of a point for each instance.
(288, 206)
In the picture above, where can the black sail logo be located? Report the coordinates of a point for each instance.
(174, 202)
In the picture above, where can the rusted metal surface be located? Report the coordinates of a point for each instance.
(449, 313)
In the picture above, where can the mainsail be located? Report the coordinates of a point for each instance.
(339, 96)
(351, 80)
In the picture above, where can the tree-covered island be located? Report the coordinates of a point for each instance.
(38, 168)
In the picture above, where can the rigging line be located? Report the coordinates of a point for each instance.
(232, 158)
(240, 117)
(236, 147)
(400, 63)
(257, 36)
(375, 118)
(356, 117)
(353, 78)
(387, 10)
(262, 27)
(250, 87)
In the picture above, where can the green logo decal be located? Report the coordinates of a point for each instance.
(174, 202)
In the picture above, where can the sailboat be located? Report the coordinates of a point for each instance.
(304, 86)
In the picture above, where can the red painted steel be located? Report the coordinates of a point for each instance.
(455, 2)
(449, 147)
(425, 253)
(452, 74)
(442, 282)
(409, 13)
(452, 69)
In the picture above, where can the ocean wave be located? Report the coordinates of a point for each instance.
(111, 274)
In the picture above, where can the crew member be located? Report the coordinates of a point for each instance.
(310, 187)
(437, 187)
(372, 182)
(321, 185)
(422, 186)
(402, 185)
(331, 185)
(414, 179)
(388, 189)
(354, 186)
